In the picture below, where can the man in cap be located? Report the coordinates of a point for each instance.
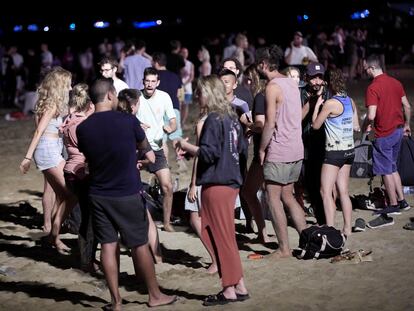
(314, 90)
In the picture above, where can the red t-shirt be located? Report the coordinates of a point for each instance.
(386, 93)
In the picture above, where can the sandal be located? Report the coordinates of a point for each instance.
(242, 297)
(219, 299)
(409, 226)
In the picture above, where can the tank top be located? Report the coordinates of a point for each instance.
(53, 126)
(286, 143)
(339, 129)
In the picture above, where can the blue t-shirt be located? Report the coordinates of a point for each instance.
(109, 140)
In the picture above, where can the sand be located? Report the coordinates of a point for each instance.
(38, 278)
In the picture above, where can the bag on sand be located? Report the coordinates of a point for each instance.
(362, 165)
(318, 242)
(405, 163)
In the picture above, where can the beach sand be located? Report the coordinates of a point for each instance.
(38, 278)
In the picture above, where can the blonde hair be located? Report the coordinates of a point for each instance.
(79, 99)
(54, 91)
(287, 71)
(213, 89)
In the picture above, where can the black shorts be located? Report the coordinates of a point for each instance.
(160, 162)
(339, 158)
(126, 215)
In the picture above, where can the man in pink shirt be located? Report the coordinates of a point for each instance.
(281, 147)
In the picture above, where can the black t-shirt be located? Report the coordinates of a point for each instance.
(259, 108)
(170, 83)
(109, 140)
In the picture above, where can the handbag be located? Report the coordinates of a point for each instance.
(405, 162)
(362, 165)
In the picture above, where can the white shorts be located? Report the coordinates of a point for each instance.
(196, 206)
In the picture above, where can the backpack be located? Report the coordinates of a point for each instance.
(320, 242)
(405, 161)
(362, 165)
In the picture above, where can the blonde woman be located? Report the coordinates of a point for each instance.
(47, 145)
(218, 172)
(75, 171)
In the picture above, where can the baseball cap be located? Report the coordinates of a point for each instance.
(298, 33)
(314, 69)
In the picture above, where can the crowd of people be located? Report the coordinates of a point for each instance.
(299, 119)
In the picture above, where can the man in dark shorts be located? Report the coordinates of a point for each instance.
(109, 140)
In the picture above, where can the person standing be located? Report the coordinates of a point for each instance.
(118, 207)
(281, 147)
(389, 114)
(109, 68)
(313, 91)
(338, 115)
(46, 149)
(218, 172)
(155, 105)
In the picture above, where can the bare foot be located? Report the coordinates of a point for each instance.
(169, 228)
(162, 300)
(61, 247)
(212, 269)
(278, 255)
(157, 259)
(46, 228)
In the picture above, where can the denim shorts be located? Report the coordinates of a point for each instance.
(48, 153)
(385, 153)
(188, 99)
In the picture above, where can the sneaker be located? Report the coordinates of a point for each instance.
(381, 221)
(389, 210)
(359, 225)
(404, 206)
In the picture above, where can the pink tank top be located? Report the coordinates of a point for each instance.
(286, 144)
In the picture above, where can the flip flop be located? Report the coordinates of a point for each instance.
(242, 297)
(409, 226)
(219, 299)
(255, 256)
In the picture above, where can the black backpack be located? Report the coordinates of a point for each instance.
(320, 242)
(405, 163)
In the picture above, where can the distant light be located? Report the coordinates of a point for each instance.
(46, 28)
(72, 26)
(32, 27)
(101, 24)
(147, 24)
(119, 21)
(360, 14)
(299, 18)
(305, 17)
(18, 28)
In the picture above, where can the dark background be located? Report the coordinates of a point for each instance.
(194, 21)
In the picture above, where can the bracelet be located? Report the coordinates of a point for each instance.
(30, 159)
